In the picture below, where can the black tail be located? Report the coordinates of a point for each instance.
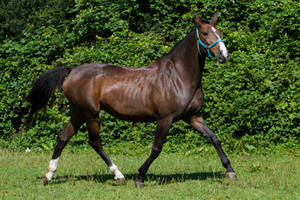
(44, 87)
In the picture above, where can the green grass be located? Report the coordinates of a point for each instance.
(83, 175)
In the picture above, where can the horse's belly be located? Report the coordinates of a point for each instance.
(127, 105)
(128, 112)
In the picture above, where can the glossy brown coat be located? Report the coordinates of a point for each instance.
(165, 91)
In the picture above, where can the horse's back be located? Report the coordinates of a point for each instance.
(121, 91)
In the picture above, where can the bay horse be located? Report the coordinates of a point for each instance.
(166, 91)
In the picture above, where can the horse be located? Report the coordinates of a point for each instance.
(165, 91)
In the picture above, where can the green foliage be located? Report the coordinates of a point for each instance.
(252, 101)
(14, 16)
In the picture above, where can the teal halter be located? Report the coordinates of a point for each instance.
(205, 47)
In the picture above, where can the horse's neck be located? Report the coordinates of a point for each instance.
(188, 62)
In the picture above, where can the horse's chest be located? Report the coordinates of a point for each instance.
(196, 103)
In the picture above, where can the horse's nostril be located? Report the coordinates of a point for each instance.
(222, 57)
(221, 53)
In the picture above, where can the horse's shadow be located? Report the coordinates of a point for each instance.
(160, 179)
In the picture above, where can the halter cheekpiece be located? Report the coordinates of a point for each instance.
(199, 42)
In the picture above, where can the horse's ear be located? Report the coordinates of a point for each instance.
(214, 20)
(197, 20)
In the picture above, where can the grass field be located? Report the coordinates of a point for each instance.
(83, 175)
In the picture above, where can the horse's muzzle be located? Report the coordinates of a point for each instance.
(221, 58)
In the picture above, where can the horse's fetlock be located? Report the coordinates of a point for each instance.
(225, 162)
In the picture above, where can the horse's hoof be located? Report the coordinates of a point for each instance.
(45, 181)
(231, 175)
(121, 181)
(139, 184)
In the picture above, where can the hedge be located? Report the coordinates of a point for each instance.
(252, 101)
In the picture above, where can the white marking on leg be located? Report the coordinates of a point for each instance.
(118, 175)
(223, 49)
(51, 168)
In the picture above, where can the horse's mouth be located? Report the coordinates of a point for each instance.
(221, 60)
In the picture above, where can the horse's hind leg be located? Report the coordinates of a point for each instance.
(62, 139)
(199, 124)
(94, 140)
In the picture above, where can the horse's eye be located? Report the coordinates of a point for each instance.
(204, 33)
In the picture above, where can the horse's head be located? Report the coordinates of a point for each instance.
(209, 39)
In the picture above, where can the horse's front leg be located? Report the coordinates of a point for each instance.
(161, 132)
(199, 124)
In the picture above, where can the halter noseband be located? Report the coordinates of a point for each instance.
(205, 47)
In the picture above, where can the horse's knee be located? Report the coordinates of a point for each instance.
(214, 140)
(156, 151)
(62, 138)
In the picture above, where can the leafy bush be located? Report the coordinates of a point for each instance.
(252, 101)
